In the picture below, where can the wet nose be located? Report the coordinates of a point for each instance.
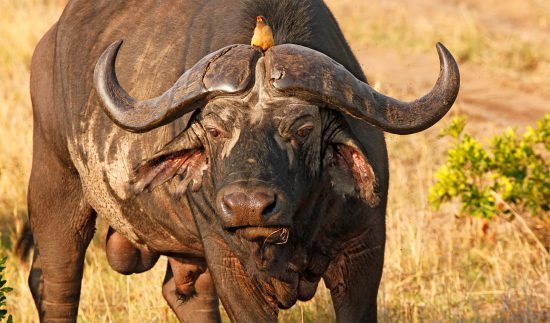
(248, 208)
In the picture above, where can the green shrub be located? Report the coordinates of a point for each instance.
(3, 291)
(511, 172)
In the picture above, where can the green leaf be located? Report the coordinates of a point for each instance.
(512, 167)
(3, 291)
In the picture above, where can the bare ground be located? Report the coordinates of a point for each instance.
(485, 95)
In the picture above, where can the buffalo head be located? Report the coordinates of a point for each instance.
(268, 150)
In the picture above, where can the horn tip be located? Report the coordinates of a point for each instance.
(114, 47)
(442, 50)
(117, 43)
(448, 62)
(107, 57)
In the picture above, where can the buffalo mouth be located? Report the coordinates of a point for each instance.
(268, 247)
(264, 235)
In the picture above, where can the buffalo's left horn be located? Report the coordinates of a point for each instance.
(309, 74)
(226, 71)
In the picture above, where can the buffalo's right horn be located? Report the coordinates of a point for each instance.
(313, 76)
(229, 70)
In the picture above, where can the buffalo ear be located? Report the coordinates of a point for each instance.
(350, 171)
(159, 170)
(182, 157)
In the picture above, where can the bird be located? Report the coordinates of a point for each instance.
(263, 35)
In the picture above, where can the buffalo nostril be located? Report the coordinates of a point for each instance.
(255, 204)
(266, 202)
(232, 201)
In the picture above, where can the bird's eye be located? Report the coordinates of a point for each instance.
(213, 132)
(304, 131)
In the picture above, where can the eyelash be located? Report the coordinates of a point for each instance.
(304, 131)
(213, 132)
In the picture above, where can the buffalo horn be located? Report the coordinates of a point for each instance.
(311, 75)
(226, 71)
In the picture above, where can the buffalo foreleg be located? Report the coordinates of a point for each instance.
(354, 276)
(62, 225)
(189, 291)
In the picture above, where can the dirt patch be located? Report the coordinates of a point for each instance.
(485, 95)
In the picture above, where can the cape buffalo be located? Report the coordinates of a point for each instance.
(256, 173)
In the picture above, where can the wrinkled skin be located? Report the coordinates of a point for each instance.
(255, 196)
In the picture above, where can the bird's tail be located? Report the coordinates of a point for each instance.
(24, 244)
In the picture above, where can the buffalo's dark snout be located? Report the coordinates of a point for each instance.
(251, 205)
(248, 206)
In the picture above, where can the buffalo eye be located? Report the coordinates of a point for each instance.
(213, 132)
(303, 132)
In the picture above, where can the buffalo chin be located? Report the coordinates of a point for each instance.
(269, 267)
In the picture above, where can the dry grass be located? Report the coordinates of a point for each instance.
(512, 37)
(437, 267)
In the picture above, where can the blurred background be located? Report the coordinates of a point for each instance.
(441, 264)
